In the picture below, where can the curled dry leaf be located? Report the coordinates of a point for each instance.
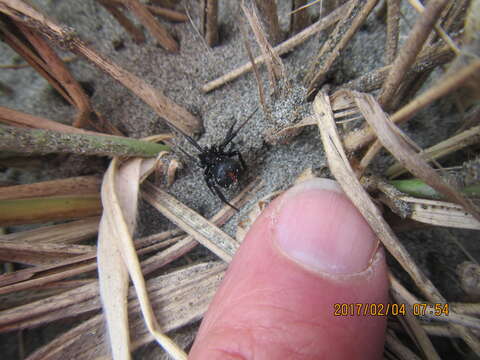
(112, 271)
(117, 258)
(172, 170)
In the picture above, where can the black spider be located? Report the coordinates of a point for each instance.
(222, 167)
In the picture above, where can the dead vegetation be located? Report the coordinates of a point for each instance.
(356, 120)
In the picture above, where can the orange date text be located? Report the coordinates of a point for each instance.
(364, 309)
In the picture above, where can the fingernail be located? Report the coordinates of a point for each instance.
(317, 226)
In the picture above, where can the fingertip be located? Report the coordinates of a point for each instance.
(277, 299)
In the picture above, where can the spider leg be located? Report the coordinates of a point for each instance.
(237, 153)
(192, 158)
(189, 138)
(216, 191)
(231, 134)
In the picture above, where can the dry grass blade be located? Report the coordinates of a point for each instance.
(155, 28)
(299, 19)
(453, 316)
(191, 222)
(446, 147)
(281, 49)
(209, 17)
(445, 85)
(353, 17)
(388, 135)
(269, 15)
(168, 14)
(429, 58)
(82, 185)
(261, 93)
(164, 107)
(18, 118)
(288, 131)
(420, 8)
(36, 51)
(112, 270)
(122, 225)
(113, 9)
(401, 351)
(40, 254)
(69, 233)
(84, 299)
(418, 333)
(276, 70)
(393, 21)
(179, 298)
(66, 81)
(45, 274)
(33, 277)
(440, 213)
(406, 57)
(344, 174)
(51, 208)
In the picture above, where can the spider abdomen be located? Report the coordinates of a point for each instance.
(227, 172)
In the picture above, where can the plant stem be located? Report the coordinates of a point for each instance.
(418, 188)
(35, 141)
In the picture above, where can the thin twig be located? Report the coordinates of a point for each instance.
(155, 28)
(166, 108)
(428, 59)
(269, 16)
(299, 20)
(393, 20)
(346, 28)
(445, 85)
(168, 14)
(281, 49)
(210, 21)
(113, 8)
(261, 93)
(409, 51)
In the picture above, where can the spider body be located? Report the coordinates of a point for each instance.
(222, 168)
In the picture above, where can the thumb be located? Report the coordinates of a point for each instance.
(310, 249)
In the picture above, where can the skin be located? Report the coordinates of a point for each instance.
(307, 251)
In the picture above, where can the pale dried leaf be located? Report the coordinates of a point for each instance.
(68, 233)
(388, 134)
(179, 298)
(440, 213)
(112, 271)
(191, 222)
(443, 148)
(122, 225)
